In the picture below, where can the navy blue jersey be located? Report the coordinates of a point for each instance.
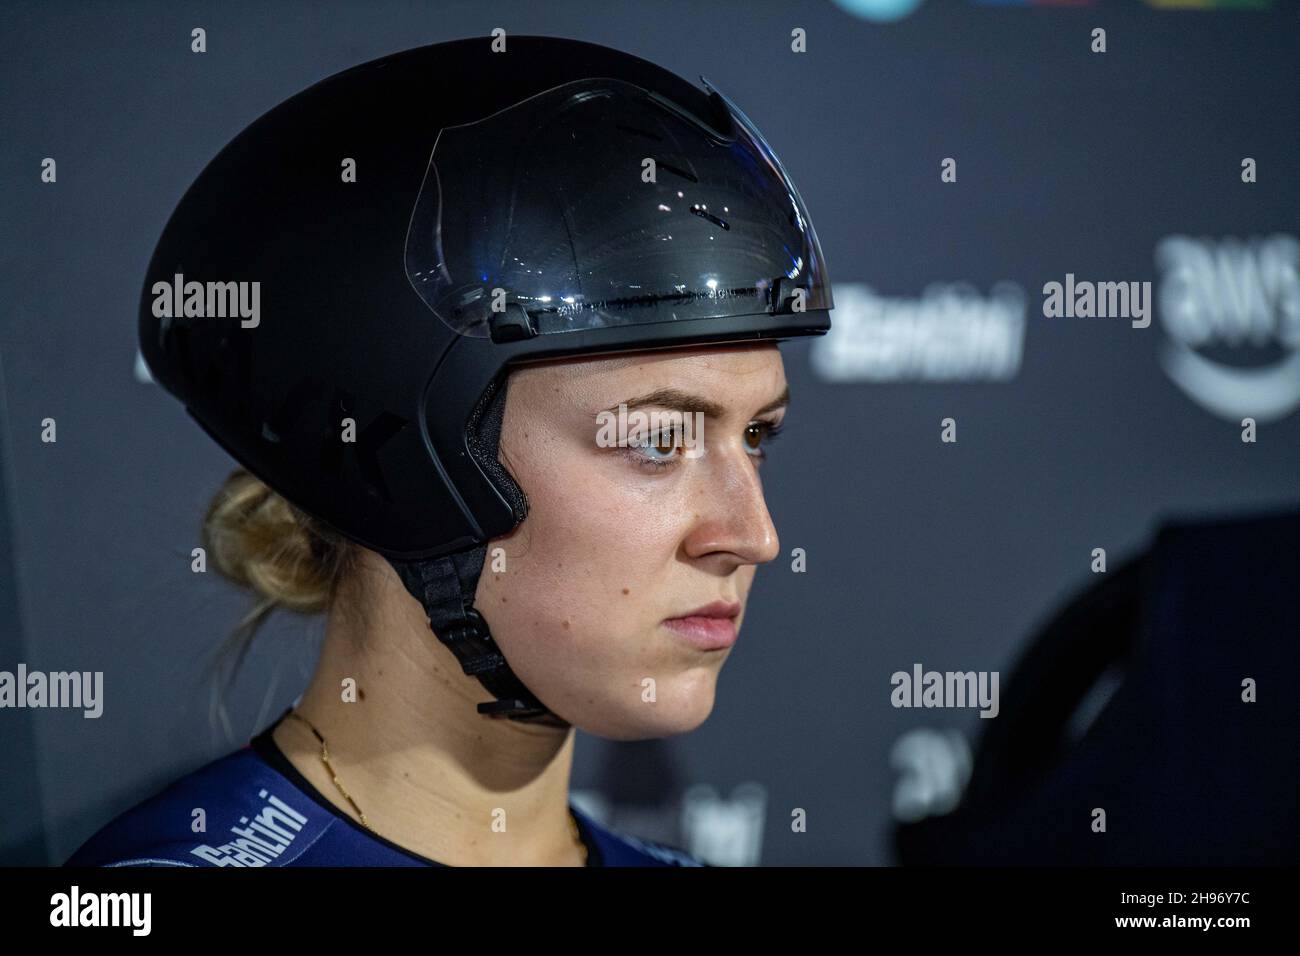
(262, 812)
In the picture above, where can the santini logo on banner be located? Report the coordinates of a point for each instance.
(951, 333)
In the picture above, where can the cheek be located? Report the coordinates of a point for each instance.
(584, 574)
(594, 522)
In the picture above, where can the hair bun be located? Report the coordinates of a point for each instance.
(262, 542)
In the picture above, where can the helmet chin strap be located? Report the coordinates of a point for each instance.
(445, 588)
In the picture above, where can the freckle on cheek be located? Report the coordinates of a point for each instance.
(566, 624)
(626, 591)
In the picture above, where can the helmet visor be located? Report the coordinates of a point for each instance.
(597, 203)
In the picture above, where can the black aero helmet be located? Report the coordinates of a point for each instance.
(409, 230)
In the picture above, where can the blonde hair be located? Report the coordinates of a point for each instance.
(263, 543)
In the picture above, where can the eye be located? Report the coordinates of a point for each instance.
(756, 433)
(656, 451)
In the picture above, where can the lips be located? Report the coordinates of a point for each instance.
(710, 628)
(727, 609)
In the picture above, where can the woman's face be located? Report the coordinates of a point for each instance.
(619, 540)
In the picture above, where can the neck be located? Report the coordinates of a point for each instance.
(428, 771)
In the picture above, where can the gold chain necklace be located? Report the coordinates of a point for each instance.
(325, 759)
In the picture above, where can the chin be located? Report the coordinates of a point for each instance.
(681, 705)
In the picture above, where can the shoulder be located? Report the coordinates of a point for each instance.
(622, 849)
(241, 811)
(235, 811)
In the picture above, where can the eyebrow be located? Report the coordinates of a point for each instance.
(682, 401)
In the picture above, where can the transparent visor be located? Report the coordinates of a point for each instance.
(597, 203)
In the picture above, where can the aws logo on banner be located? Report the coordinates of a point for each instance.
(1231, 313)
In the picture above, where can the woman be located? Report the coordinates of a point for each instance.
(499, 361)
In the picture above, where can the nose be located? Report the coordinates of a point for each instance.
(730, 516)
